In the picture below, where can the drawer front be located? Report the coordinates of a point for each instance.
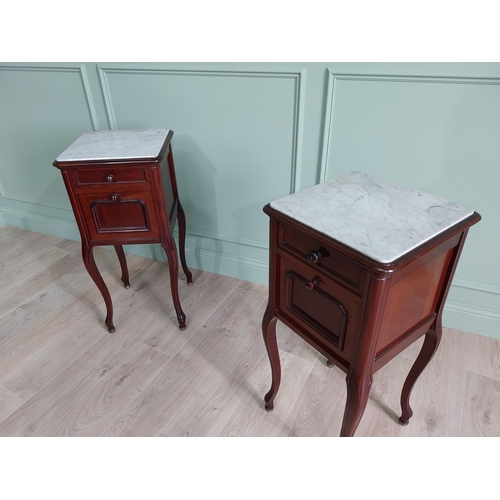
(91, 177)
(119, 214)
(321, 256)
(319, 305)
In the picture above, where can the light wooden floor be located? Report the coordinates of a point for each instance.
(63, 374)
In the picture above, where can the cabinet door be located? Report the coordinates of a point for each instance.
(122, 215)
(320, 307)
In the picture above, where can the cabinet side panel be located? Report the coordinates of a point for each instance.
(413, 299)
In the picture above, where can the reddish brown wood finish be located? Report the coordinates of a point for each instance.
(357, 312)
(125, 202)
(123, 265)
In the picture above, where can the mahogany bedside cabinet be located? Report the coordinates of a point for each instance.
(360, 268)
(123, 190)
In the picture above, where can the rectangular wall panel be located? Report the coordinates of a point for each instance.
(235, 139)
(439, 135)
(43, 109)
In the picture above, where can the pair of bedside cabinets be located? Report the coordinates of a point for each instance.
(360, 268)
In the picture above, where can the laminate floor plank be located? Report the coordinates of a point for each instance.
(21, 318)
(484, 357)
(438, 397)
(51, 360)
(26, 290)
(38, 336)
(482, 407)
(319, 407)
(18, 255)
(199, 276)
(49, 404)
(289, 342)
(145, 284)
(171, 388)
(216, 398)
(383, 409)
(99, 407)
(14, 241)
(64, 290)
(251, 419)
(26, 270)
(72, 284)
(255, 288)
(70, 245)
(8, 403)
(23, 272)
(9, 232)
(28, 378)
(198, 303)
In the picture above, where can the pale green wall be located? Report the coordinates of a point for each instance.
(248, 133)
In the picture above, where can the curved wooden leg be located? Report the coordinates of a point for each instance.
(429, 348)
(358, 390)
(173, 268)
(269, 333)
(123, 265)
(181, 218)
(90, 265)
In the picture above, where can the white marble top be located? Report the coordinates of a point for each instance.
(116, 145)
(375, 217)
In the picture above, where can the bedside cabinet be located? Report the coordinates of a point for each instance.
(123, 191)
(360, 269)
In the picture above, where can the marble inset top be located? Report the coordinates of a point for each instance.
(377, 218)
(116, 145)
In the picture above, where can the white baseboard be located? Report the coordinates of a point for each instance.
(41, 223)
(214, 262)
(472, 319)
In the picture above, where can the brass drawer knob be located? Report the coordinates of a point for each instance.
(311, 284)
(313, 256)
(114, 197)
(110, 178)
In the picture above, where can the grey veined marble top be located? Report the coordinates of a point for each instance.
(116, 145)
(375, 217)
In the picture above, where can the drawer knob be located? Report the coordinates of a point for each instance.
(110, 178)
(313, 256)
(114, 197)
(311, 284)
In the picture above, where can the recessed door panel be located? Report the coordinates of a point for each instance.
(120, 215)
(316, 307)
(126, 215)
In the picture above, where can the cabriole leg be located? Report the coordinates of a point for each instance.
(123, 265)
(269, 333)
(358, 390)
(173, 267)
(429, 348)
(181, 218)
(90, 265)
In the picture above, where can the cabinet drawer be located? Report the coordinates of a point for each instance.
(119, 214)
(318, 304)
(321, 256)
(108, 176)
